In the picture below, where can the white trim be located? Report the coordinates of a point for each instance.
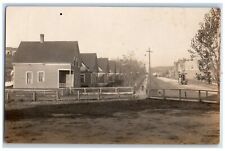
(31, 77)
(38, 77)
(58, 75)
(84, 67)
(100, 69)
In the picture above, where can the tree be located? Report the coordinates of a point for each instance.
(206, 44)
(131, 68)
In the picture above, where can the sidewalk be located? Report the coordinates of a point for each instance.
(141, 93)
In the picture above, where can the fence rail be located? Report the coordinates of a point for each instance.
(91, 93)
(185, 95)
(100, 93)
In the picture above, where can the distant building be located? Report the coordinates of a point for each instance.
(89, 69)
(191, 68)
(47, 64)
(188, 66)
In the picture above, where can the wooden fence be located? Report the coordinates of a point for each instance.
(185, 95)
(69, 94)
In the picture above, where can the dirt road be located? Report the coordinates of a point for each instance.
(139, 122)
(166, 83)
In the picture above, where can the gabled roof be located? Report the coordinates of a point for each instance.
(90, 60)
(112, 66)
(47, 52)
(103, 63)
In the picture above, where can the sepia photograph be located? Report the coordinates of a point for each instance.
(112, 75)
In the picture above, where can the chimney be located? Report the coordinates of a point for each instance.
(42, 38)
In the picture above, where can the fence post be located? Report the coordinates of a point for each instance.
(180, 94)
(78, 95)
(199, 95)
(70, 91)
(57, 95)
(118, 92)
(99, 94)
(164, 94)
(34, 96)
(7, 96)
(62, 92)
(133, 93)
(185, 94)
(218, 96)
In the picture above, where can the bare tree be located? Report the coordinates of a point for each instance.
(131, 68)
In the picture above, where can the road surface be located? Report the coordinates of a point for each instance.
(166, 83)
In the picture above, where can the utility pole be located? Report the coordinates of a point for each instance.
(149, 67)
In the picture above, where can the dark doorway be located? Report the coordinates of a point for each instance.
(63, 78)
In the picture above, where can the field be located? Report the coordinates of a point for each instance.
(116, 122)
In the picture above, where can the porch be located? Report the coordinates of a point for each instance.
(66, 78)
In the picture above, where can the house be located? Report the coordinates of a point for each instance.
(47, 64)
(191, 68)
(103, 70)
(112, 72)
(89, 69)
(188, 66)
(8, 62)
(10, 51)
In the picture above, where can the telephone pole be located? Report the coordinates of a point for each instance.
(149, 67)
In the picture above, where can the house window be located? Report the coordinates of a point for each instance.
(29, 77)
(41, 76)
(82, 78)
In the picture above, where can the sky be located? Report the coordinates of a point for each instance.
(110, 31)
